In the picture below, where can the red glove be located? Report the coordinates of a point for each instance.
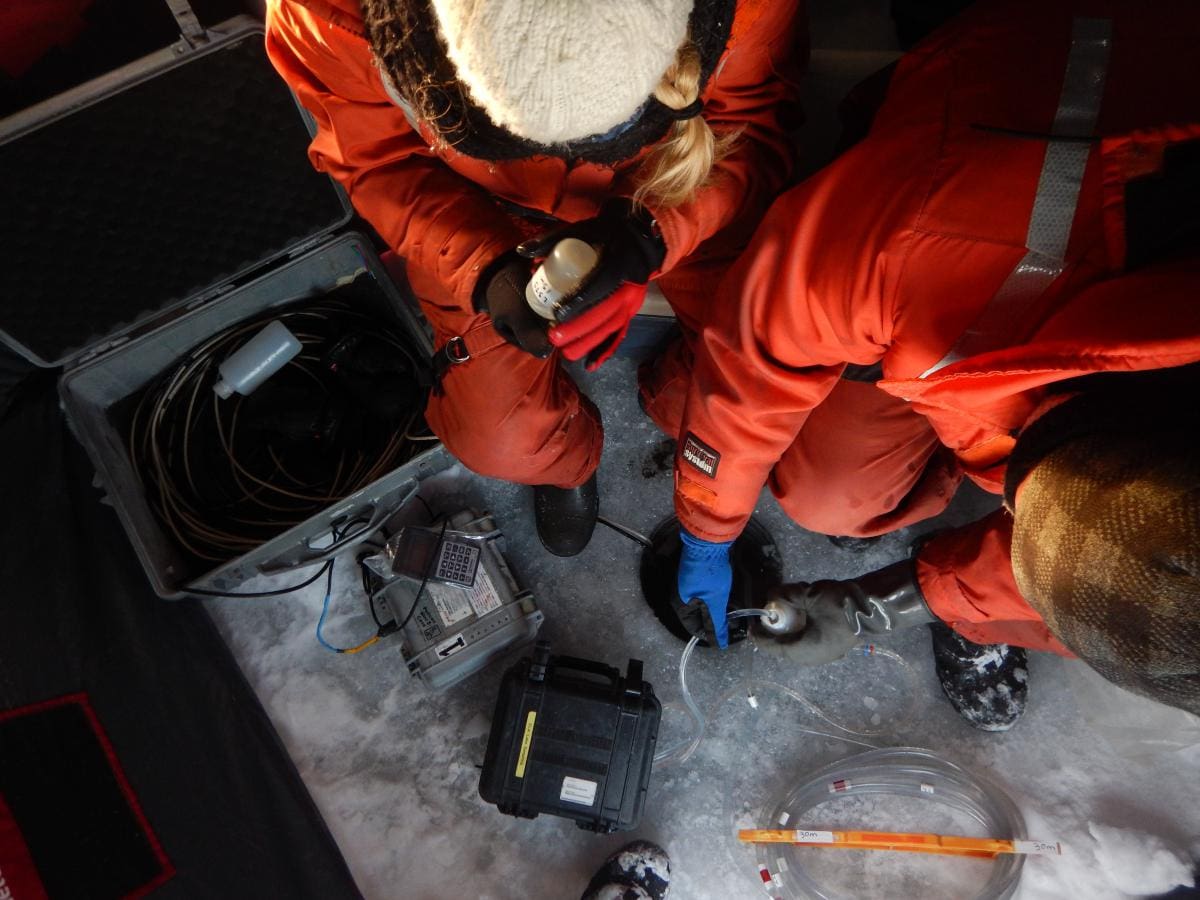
(598, 332)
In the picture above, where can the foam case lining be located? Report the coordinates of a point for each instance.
(173, 185)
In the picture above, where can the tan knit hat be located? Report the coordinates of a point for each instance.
(1106, 547)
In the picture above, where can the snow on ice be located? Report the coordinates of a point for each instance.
(393, 767)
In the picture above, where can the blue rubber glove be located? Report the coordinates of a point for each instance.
(705, 579)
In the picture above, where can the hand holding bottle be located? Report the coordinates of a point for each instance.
(595, 316)
(501, 294)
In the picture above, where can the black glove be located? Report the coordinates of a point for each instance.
(826, 619)
(629, 250)
(501, 294)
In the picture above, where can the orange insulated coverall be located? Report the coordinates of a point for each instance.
(505, 413)
(981, 244)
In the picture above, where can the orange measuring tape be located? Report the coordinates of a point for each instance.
(944, 844)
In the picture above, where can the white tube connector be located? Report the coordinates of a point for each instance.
(780, 618)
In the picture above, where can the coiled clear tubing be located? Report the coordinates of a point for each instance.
(907, 772)
(683, 749)
(900, 771)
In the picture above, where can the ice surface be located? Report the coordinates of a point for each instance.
(1137, 862)
(393, 768)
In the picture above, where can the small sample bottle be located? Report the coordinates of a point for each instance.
(256, 360)
(561, 274)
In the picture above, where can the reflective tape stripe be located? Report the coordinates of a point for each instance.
(1056, 199)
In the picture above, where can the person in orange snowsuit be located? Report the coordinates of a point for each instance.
(658, 131)
(1020, 222)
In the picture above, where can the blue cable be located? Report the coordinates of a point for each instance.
(384, 630)
(324, 611)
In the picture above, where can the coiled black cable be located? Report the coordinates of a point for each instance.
(224, 476)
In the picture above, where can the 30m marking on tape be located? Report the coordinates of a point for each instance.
(523, 759)
(812, 837)
(1038, 848)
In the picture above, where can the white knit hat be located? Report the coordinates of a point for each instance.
(553, 71)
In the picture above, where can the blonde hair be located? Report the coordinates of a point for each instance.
(682, 164)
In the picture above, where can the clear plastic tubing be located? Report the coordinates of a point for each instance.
(899, 771)
(682, 750)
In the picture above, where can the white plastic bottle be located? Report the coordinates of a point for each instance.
(562, 272)
(256, 360)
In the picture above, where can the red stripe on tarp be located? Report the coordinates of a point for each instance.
(19, 879)
(29, 29)
(81, 699)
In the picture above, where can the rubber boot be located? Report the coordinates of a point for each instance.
(816, 623)
(638, 871)
(987, 683)
(566, 517)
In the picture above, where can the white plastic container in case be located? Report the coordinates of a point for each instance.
(201, 211)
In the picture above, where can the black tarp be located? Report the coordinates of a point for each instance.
(77, 615)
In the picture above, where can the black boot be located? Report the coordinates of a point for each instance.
(566, 517)
(638, 871)
(986, 683)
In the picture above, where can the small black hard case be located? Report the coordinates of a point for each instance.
(572, 738)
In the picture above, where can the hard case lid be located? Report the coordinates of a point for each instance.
(572, 738)
(150, 189)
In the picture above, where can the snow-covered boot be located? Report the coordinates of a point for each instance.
(638, 871)
(986, 683)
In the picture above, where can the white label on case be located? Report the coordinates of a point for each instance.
(451, 646)
(577, 790)
(453, 603)
(484, 597)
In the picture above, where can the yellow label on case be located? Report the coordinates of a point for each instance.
(525, 742)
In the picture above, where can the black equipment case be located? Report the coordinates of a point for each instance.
(572, 738)
(152, 208)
